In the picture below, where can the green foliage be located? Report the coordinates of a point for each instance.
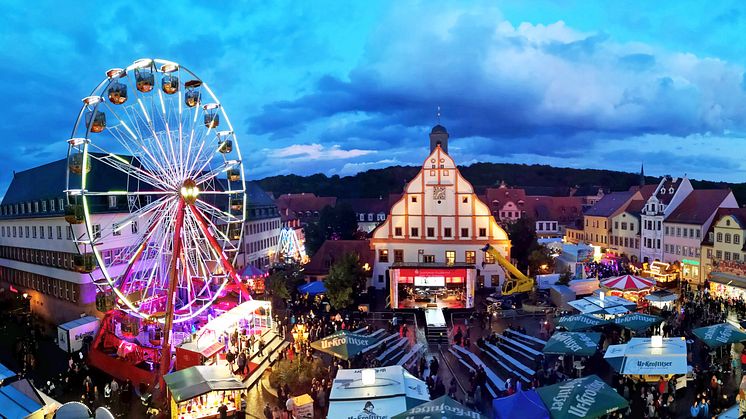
(565, 278)
(522, 236)
(346, 279)
(337, 223)
(540, 261)
(298, 374)
(284, 279)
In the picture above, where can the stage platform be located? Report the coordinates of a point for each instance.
(434, 318)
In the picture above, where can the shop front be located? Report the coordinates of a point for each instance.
(727, 285)
(418, 286)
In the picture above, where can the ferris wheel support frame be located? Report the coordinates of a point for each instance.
(173, 280)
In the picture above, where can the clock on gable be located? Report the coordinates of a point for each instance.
(439, 192)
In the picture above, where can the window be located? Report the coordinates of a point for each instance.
(41, 232)
(62, 203)
(709, 253)
(431, 232)
(686, 232)
(69, 234)
(678, 231)
(428, 258)
(59, 232)
(447, 232)
(727, 237)
(14, 231)
(397, 231)
(464, 232)
(718, 254)
(720, 237)
(370, 216)
(624, 225)
(737, 256)
(96, 231)
(49, 232)
(33, 230)
(727, 255)
(36, 206)
(488, 258)
(383, 255)
(115, 230)
(450, 257)
(414, 199)
(134, 227)
(697, 231)
(736, 239)
(465, 200)
(470, 256)
(51, 205)
(380, 279)
(27, 230)
(44, 206)
(482, 232)
(415, 232)
(398, 255)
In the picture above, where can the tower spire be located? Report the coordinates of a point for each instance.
(642, 174)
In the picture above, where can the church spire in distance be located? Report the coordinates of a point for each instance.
(642, 174)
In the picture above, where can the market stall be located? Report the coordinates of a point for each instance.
(375, 393)
(719, 334)
(524, 404)
(572, 343)
(580, 322)
(198, 392)
(637, 322)
(629, 287)
(662, 299)
(254, 278)
(443, 407)
(649, 358)
(343, 344)
(587, 397)
(602, 305)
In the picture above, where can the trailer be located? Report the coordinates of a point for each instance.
(70, 335)
(561, 295)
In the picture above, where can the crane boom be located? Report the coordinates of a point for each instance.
(519, 282)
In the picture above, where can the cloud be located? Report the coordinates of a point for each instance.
(315, 152)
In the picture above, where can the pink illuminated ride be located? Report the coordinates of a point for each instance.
(165, 229)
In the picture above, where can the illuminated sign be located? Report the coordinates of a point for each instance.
(690, 262)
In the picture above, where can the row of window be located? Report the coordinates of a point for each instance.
(624, 225)
(371, 216)
(32, 232)
(470, 256)
(259, 245)
(690, 251)
(63, 260)
(683, 232)
(629, 242)
(430, 232)
(36, 207)
(650, 224)
(510, 215)
(58, 288)
(596, 223)
(652, 243)
(727, 238)
(719, 254)
(256, 227)
(546, 226)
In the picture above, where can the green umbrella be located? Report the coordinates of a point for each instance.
(637, 321)
(720, 334)
(443, 407)
(343, 344)
(573, 343)
(587, 397)
(578, 322)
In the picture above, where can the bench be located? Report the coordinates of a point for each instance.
(380, 342)
(377, 333)
(518, 345)
(361, 330)
(505, 367)
(523, 370)
(461, 360)
(497, 384)
(391, 350)
(525, 337)
(410, 356)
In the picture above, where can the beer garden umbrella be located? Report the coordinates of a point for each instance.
(443, 407)
(579, 322)
(587, 397)
(637, 321)
(343, 344)
(573, 343)
(719, 334)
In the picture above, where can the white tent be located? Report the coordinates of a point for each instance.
(642, 356)
(608, 305)
(392, 391)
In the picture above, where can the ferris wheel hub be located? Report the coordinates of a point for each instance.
(189, 191)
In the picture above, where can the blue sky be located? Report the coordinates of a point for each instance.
(339, 87)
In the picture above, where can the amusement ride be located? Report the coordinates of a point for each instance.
(156, 200)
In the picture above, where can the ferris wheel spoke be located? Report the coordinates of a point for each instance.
(227, 165)
(121, 164)
(217, 213)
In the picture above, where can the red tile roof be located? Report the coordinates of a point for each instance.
(331, 250)
(665, 196)
(698, 207)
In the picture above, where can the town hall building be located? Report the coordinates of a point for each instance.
(428, 252)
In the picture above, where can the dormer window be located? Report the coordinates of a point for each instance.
(670, 190)
(663, 191)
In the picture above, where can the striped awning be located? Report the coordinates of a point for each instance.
(628, 282)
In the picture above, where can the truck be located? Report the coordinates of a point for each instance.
(70, 335)
(516, 282)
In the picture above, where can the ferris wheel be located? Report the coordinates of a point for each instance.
(155, 181)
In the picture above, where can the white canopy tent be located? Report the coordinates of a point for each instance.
(608, 305)
(643, 356)
(392, 391)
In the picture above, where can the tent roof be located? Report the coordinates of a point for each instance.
(639, 357)
(77, 322)
(15, 404)
(195, 381)
(443, 407)
(525, 404)
(313, 288)
(5, 372)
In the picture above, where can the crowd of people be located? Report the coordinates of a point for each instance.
(603, 270)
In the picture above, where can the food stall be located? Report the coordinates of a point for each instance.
(629, 287)
(650, 358)
(198, 392)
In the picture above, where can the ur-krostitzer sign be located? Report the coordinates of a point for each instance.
(584, 397)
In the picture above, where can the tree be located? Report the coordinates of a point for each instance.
(335, 223)
(540, 261)
(346, 279)
(523, 238)
(284, 280)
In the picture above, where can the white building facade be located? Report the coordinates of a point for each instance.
(667, 197)
(438, 227)
(261, 229)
